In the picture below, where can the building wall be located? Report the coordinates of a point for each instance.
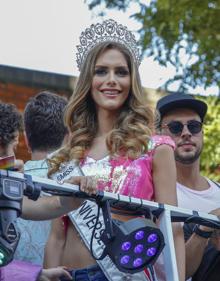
(17, 86)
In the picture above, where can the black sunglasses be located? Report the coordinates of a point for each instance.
(176, 127)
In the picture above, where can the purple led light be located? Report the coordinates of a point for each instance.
(137, 262)
(152, 238)
(139, 235)
(151, 251)
(125, 260)
(138, 249)
(126, 246)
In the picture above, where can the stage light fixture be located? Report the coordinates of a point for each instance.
(132, 245)
(11, 193)
(6, 252)
(2, 257)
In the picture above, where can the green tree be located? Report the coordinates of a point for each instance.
(172, 29)
(210, 160)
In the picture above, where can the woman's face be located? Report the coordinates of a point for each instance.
(111, 81)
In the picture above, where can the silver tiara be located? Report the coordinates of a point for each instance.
(108, 31)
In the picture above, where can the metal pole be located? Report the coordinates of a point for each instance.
(169, 255)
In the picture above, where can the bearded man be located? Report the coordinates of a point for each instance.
(182, 119)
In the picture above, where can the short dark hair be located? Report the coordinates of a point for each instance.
(10, 122)
(43, 121)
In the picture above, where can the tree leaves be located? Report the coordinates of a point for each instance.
(210, 160)
(171, 26)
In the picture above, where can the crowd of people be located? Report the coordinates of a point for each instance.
(109, 139)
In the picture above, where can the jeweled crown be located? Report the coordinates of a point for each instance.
(108, 31)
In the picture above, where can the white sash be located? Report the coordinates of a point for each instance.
(84, 219)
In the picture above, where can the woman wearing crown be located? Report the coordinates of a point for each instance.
(111, 128)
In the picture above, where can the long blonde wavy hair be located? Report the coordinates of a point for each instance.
(132, 129)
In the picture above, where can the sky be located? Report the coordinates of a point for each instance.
(43, 34)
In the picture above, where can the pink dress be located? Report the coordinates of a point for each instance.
(127, 176)
(121, 175)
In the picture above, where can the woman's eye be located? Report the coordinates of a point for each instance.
(122, 72)
(100, 71)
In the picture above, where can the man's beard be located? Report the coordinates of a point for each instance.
(188, 159)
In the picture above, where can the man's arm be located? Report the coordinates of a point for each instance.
(195, 248)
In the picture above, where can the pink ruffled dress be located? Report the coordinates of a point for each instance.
(124, 176)
(127, 176)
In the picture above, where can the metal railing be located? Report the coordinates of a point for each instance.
(166, 213)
